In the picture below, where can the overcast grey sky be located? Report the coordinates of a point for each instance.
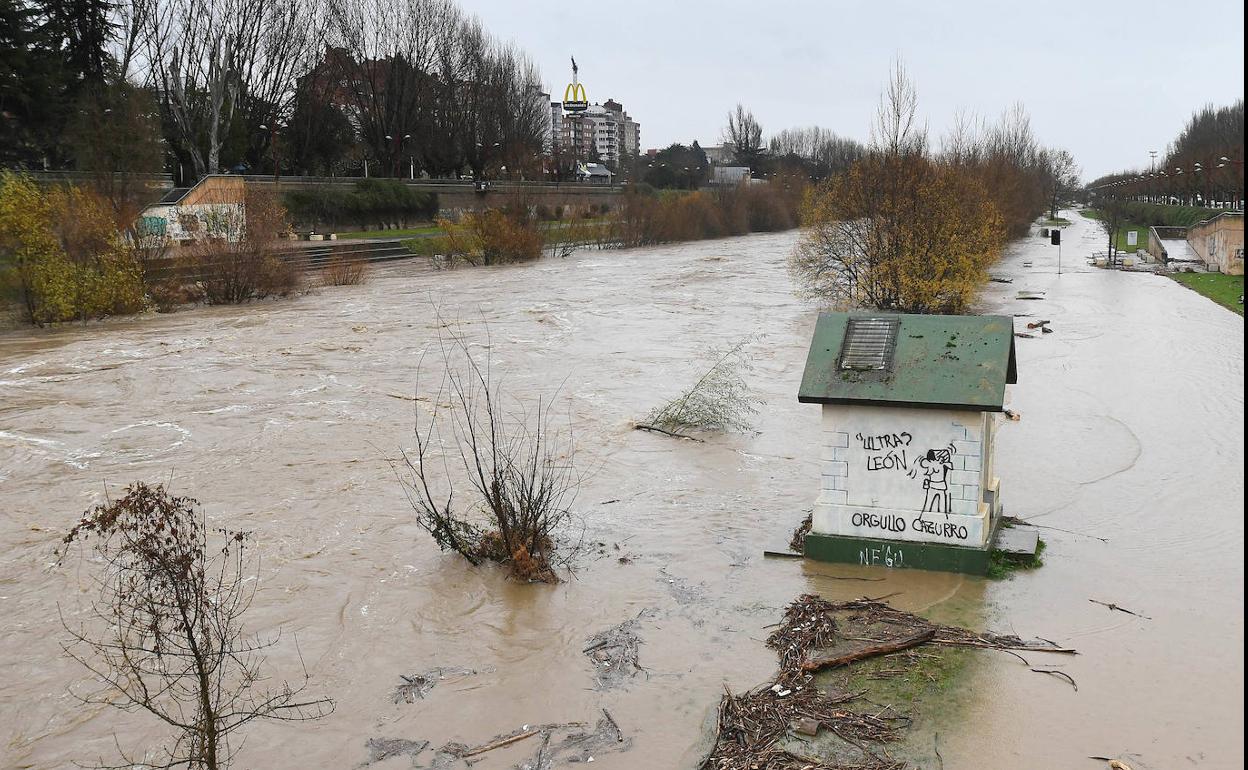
(1108, 81)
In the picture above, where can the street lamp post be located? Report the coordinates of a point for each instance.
(277, 166)
(397, 153)
(1237, 197)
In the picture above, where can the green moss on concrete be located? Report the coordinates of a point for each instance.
(1002, 565)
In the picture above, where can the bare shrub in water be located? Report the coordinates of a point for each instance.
(493, 237)
(518, 466)
(164, 635)
(237, 260)
(719, 400)
(345, 270)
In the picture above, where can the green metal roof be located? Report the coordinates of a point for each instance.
(946, 361)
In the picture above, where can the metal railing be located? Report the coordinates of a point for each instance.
(468, 185)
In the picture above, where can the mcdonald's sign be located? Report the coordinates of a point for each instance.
(574, 99)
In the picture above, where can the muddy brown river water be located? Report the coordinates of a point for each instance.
(280, 418)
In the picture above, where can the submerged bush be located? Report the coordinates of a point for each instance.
(61, 257)
(644, 218)
(244, 265)
(514, 462)
(345, 270)
(492, 237)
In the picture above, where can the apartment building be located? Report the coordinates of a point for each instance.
(603, 131)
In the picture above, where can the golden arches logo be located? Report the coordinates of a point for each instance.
(574, 98)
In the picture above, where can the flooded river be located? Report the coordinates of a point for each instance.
(281, 418)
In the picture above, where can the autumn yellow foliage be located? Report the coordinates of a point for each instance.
(61, 257)
(898, 232)
(492, 237)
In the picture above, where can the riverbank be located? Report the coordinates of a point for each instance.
(1226, 290)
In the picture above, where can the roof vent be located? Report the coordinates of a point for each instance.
(869, 343)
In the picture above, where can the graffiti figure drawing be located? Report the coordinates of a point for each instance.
(935, 467)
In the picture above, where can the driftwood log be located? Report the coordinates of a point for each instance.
(897, 645)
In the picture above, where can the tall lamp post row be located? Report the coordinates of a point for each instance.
(1197, 167)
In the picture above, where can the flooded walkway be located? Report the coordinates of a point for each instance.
(281, 418)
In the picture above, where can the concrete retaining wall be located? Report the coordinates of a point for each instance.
(1219, 242)
(456, 196)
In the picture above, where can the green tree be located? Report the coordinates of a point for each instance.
(677, 167)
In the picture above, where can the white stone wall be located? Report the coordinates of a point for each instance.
(185, 223)
(905, 474)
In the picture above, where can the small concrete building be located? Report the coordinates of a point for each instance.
(1219, 242)
(213, 208)
(911, 405)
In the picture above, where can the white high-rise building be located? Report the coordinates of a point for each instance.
(603, 131)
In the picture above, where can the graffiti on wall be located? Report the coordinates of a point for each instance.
(886, 451)
(892, 523)
(887, 556)
(934, 468)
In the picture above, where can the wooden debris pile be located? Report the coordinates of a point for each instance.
(757, 729)
(753, 727)
(798, 543)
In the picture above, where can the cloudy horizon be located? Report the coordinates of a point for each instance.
(1082, 75)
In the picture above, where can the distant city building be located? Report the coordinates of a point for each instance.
(556, 128)
(722, 155)
(729, 175)
(593, 173)
(603, 132)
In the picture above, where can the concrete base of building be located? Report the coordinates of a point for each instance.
(901, 554)
(897, 554)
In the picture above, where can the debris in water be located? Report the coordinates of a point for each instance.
(806, 726)
(1114, 764)
(1113, 606)
(614, 653)
(560, 744)
(995, 279)
(682, 590)
(1012, 415)
(752, 728)
(416, 686)
(1062, 674)
(798, 543)
(380, 749)
(1037, 324)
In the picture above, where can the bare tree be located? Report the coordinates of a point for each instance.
(1113, 215)
(164, 635)
(744, 133)
(896, 131)
(828, 152)
(519, 466)
(1062, 177)
(193, 47)
(211, 58)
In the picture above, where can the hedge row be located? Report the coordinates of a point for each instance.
(372, 203)
(1159, 215)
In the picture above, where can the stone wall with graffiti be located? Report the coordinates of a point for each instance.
(905, 474)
